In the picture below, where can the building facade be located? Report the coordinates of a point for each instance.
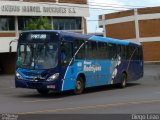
(139, 25)
(66, 15)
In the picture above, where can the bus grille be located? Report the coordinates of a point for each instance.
(34, 85)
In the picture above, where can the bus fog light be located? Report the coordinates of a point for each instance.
(53, 77)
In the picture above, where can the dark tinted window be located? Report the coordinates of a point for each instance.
(67, 23)
(123, 52)
(23, 21)
(112, 51)
(7, 23)
(128, 52)
(91, 50)
(66, 52)
(79, 49)
(140, 53)
(102, 51)
(118, 51)
(137, 54)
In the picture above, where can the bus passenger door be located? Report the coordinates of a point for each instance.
(66, 54)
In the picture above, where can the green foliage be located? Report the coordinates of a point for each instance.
(41, 24)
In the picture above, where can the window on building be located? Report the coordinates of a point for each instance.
(7, 23)
(23, 21)
(67, 23)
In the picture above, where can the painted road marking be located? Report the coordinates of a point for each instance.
(92, 107)
(46, 100)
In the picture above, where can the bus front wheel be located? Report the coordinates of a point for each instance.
(79, 88)
(123, 80)
(42, 92)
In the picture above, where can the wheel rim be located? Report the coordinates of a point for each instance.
(124, 81)
(79, 85)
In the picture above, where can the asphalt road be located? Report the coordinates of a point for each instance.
(141, 96)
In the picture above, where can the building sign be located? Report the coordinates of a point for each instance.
(18, 8)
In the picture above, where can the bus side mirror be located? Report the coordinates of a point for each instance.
(10, 48)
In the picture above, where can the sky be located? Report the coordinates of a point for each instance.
(110, 6)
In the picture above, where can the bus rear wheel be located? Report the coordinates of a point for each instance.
(123, 80)
(79, 86)
(42, 92)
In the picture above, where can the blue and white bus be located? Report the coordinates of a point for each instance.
(59, 61)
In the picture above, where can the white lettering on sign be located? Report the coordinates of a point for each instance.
(87, 62)
(18, 8)
(10, 8)
(91, 68)
(37, 9)
(38, 36)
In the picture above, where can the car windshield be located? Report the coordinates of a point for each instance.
(37, 55)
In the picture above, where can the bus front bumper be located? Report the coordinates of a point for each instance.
(36, 85)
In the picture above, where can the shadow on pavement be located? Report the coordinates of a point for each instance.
(58, 95)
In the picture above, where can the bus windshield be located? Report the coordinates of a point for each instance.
(37, 55)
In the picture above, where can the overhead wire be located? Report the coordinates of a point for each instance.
(90, 6)
(98, 6)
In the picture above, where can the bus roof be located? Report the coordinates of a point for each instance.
(83, 36)
(88, 37)
(99, 38)
(112, 40)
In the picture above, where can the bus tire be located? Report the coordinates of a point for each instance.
(42, 92)
(123, 80)
(79, 88)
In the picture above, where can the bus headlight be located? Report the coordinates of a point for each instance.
(18, 75)
(53, 77)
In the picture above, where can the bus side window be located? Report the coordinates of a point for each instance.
(140, 53)
(112, 51)
(136, 54)
(103, 52)
(66, 52)
(79, 48)
(129, 52)
(123, 52)
(91, 50)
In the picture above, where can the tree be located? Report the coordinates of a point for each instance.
(41, 24)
